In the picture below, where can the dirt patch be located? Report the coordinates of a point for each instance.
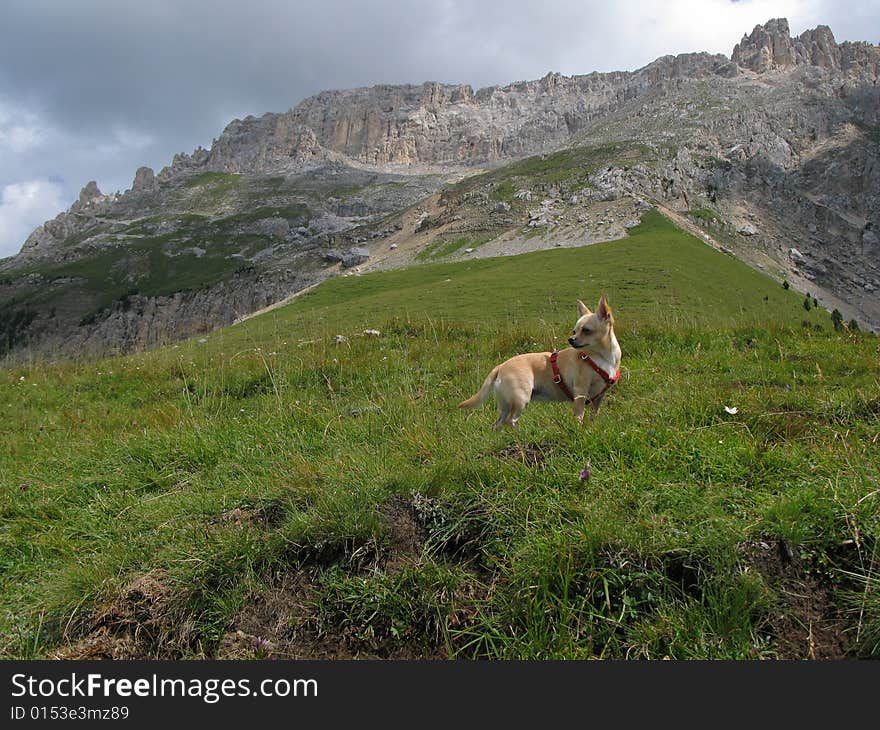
(266, 515)
(531, 455)
(280, 623)
(284, 622)
(139, 622)
(806, 624)
(101, 645)
(298, 615)
(316, 613)
(405, 534)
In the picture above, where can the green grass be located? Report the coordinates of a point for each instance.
(216, 180)
(703, 213)
(504, 191)
(126, 470)
(346, 191)
(211, 190)
(657, 272)
(570, 168)
(443, 247)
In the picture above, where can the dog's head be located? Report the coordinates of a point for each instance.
(592, 327)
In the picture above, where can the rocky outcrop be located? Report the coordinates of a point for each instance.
(771, 47)
(183, 163)
(144, 180)
(272, 142)
(91, 199)
(143, 322)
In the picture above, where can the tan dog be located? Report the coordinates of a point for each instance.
(581, 373)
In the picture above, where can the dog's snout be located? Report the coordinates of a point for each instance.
(571, 341)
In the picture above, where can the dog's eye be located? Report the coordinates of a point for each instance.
(586, 330)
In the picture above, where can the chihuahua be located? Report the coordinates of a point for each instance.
(582, 373)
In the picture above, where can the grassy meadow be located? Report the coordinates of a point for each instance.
(273, 490)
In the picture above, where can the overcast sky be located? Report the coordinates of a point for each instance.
(92, 89)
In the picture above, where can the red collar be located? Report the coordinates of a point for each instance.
(557, 376)
(609, 381)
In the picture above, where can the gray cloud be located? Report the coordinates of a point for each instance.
(93, 89)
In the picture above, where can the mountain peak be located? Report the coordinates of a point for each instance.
(771, 47)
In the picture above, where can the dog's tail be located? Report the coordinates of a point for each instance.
(477, 398)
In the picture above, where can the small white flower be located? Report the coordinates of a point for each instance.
(732, 410)
(21, 379)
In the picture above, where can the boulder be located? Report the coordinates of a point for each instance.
(356, 256)
(333, 255)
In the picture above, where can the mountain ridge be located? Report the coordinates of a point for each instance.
(773, 150)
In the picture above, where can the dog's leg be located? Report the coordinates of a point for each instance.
(503, 414)
(580, 405)
(518, 399)
(595, 403)
(515, 414)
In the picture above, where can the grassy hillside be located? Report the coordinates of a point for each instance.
(268, 491)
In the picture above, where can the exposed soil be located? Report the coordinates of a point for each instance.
(285, 621)
(137, 623)
(806, 624)
(532, 455)
(406, 535)
(267, 515)
(279, 623)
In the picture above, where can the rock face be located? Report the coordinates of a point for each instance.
(272, 142)
(439, 123)
(770, 47)
(144, 180)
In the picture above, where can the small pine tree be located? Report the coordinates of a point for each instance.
(785, 284)
(837, 320)
(853, 326)
(807, 303)
(815, 302)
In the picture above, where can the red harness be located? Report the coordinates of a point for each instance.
(557, 376)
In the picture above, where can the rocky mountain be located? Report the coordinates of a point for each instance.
(772, 155)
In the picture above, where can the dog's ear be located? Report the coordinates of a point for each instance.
(583, 309)
(604, 311)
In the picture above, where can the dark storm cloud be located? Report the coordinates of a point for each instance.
(93, 89)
